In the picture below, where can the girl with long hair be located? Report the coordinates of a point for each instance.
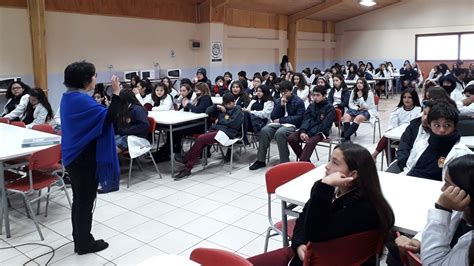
(162, 101)
(241, 98)
(381, 72)
(38, 111)
(285, 64)
(169, 85)
(339, 95)
(258, 112)
(300, 88)
(347, 200)
(361, 108)
(140, 93)
(185, 91)
(352, 72)
(17, 100)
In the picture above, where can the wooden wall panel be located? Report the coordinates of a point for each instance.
(204, 10)
(307, 25)
(331, 27)
(13, 3)
(252, 19)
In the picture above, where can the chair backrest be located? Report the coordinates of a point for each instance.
(338, 115)
(148, 106)
(217, 257)
(45, 159)
(44, 128)
(349, 250)
(413, 259)
(4, 120)
(284, 172)
(17, 123)
(151, 129)
(376, 100)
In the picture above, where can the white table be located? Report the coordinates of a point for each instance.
(168, 260)
(394, 134)
(409, 197)
(217, 100)
(177, 120)
(468, 141)
(386, 79)
(10, 148)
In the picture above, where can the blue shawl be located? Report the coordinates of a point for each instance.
(82, 121)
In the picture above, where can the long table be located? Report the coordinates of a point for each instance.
(176, 120)
(10, 148)
(409, 197)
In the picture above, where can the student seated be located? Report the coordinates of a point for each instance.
(352, 72)
(407, 109)
(185, 91)
(300, 88)
(220, 88)
(287, 116)
(339, 95)
(381, 72)
(428, 156)
(198, 105)
(38, 111)
(140, 93)
(100, 97)
(467, 108)
(457, 94)
(257, 81)
(201, 76)
(162, 101)
(17, 100)
(169, 86)
(410, 75)
(444, 221)
(361, 108)
(238, 91)
(459, 173)
(348, 200)
(316, 125)
(132, 119)
(230, 121)
(259, 111)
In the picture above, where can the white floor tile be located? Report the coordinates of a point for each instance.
(248, 203)
(119, 245)
(175, 242)
(182, 184)
(202, 206)
(149, 231)
(159, 192)
(101, 231)
(137, 256)
(228, 214)
(224, 195)
(223, 180)
(154, 209)
(233, 237)
(126, 221)
(107, 212)
(203, 227)
(243, 187)
(177, 218)
(256, 246)
(254, 222)
(19, 260)
(179, 199)
(202, 189)
(6, 254)
(133, 202)
(87, 259)
(117, 195)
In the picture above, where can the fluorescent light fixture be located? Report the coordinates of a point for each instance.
(367, 2)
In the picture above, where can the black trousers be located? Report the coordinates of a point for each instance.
(84, 192)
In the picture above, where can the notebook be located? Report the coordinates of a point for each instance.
(36, 142)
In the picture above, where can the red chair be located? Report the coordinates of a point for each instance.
(148, 106)
(217, 257)
(17, 123)
(407, 257)
(349, 250)
(275, 177)
(41, 167)
(331, 141)
(4, 120)
(44, 128)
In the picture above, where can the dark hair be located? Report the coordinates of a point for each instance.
(142, 84)
(272, 82)
(43, 100)
(127, 97)
(469, 89)
(443, 109)
(267, 96)
(9, 93)
(227, 98)
(438, 93)
(242, 74)
(136, 79)
(101, 94)
(302, 83)
(365, 90)
(170, 87)
(258, 77)
(155, 98)
(186, 81)
(228, 73)
(443, 68)
(284, 60)
(285, 85)
(256, 74)
(414, 96)
(264, 73)
(371, 66)
(245, 83)
(78, 75)
(242, 93)
(367, 184)
(149, 86)
(320, 89)
(343, 82)
(219, 78)
(351, 71)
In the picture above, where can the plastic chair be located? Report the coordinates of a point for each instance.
(126, 154)
(377, 120)
(233, 141)
(4, 120)
(275, 177)
(349, 250)
(148, 106)
(407, 257)
(217, 257)
(44, 128)
(42, 166)
(330, 141)
(18, 124)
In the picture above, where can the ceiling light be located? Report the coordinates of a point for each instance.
(367, 2)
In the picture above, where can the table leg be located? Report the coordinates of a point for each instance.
(284, 224)
(205, 150)
(4, 204)
(171, 151)
(389, 152)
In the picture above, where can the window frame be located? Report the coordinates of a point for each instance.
(459, 34)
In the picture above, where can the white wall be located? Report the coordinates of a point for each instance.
(389, 33)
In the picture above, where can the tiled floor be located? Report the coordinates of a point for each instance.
(155, 216)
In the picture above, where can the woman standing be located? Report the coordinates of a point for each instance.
(88, 149)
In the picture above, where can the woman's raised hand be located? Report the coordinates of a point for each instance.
(115, 85)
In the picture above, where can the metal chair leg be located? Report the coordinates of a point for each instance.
(267, 237)
(154, 163)
(39, 202)
(231, 157)
(28, 207)
(130, 172)
(47, 202)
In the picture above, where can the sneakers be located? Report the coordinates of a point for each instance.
(257, 165)
(180, 158)
(182, 174)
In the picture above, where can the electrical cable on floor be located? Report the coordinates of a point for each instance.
(53, 250)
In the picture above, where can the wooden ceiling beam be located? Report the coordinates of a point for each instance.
(313, 10)
(219, 3)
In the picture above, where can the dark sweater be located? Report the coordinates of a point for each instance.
(323, 219)
(230, 122)
(345, 94)
(406, 142)
(138, 125)
(318, 118)
(201, 106)
(295, 109)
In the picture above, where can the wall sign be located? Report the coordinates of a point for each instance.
(216, 51)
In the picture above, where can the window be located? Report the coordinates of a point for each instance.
(444, 46)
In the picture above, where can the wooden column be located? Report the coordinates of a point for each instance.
(36, 12)
(292, 42)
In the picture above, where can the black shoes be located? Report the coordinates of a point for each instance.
(182, 174)
(257, 165)
(96, 247)
(101, 191)
(180, 158)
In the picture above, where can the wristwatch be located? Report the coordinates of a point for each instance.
(439, 207)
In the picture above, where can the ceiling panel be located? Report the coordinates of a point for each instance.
(281, 7)
(348, 9)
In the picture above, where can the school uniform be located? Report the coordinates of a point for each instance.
(339, 98)
(290, 117)
(178, 99)
(317, 121)
(303, 94)
(352, 76)
(138, 126)
(144, 99)
(410, 75)
(221, 90)
(164, 104)
(369, 104)
(242, 100)
(458, 93)
(259, 114)
(39, 116)
(15, 108)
